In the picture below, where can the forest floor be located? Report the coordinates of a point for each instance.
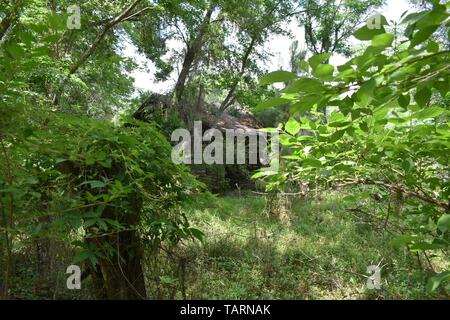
(322, 252)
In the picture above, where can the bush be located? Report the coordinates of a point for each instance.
(104, 189)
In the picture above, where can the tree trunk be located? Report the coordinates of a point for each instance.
(230, 97)
(5, 254)
(111, 24)
(119, 276)
(10, 19)
(192, 53)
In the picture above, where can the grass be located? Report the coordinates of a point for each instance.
(323, 253)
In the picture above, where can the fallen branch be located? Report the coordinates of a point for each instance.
(280, 194)
(409, 193)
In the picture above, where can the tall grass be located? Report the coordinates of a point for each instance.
(323, 253)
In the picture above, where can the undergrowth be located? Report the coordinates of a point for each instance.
(322, 254)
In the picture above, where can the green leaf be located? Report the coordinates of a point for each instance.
(314, 61)
(305, 104)
(102, 224)
(433, 47)
(383, 40)
(336, 136)
(422, 35)
(287, 140)
(93, 259)
(291, 157)
(53, 38)
(306, 85)
(443, 87)
(312, 163)
(436, 281)
(15, 50)
(277, 76)
(408, 164)
(264, 173)
(89, 223)
(404, 100)
(339, 124)
(323, 71)
(366, 34)
(167, 280)
(404, 240)
(364, 127)
(350, 198)
(425, 246)
(428, 113)
(273, 102)
(423, 96)
(197, 234)
(443, 223)
(81, 257)
(292, 126)
(367, 89)
(95, 184)
(304, 65)
(56, 21)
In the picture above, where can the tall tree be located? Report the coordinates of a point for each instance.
(255, 24)
(220, 43)
(329, 23)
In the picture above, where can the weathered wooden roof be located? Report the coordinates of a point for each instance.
(243, 119)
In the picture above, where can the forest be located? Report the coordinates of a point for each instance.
(224, 149)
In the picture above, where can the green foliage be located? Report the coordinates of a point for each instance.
(81, 183)
(329, 23)
(323, 254)
(278, 76)
(385, 124)
(93, 175)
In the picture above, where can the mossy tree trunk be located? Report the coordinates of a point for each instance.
(119, 274)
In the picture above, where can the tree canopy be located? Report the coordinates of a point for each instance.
(87, 176)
